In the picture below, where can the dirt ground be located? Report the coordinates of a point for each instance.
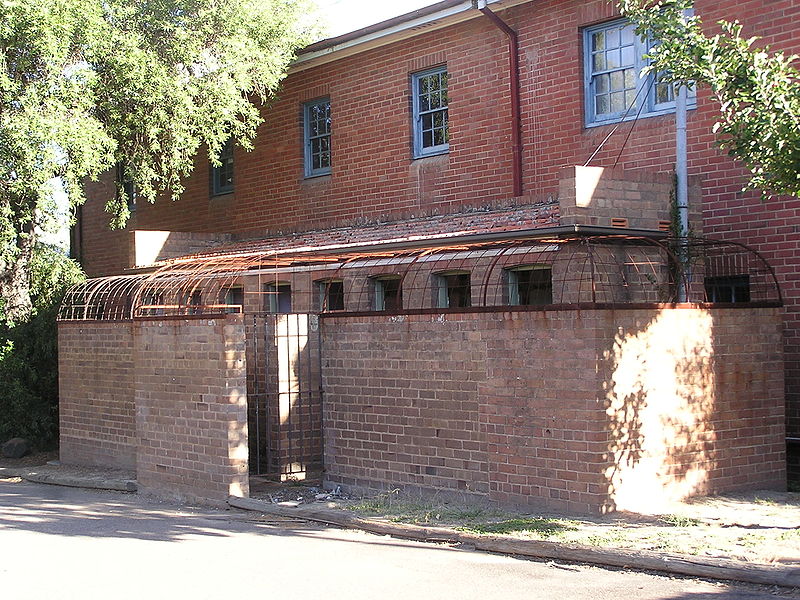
(31, 460)
(758, 527)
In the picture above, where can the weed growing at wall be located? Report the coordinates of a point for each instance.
(29, 354)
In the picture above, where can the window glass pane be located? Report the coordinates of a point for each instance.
(628, 35)
(599, 62)
(617, 80)
(601, 84)
(599, 40)
(531, 286)
(628, 56)
(602, 105)
(630, 78)
(612, 59)
(427, 121)
(617, 102)
(427, 139)
(612, 38)
(424, 102)
(433, 82)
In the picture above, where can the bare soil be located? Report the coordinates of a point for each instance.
(757, 527)
(31, 460)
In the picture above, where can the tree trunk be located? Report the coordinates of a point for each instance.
(15, 278)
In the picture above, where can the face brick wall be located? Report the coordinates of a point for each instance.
(166, 398)
(96, 403)
(472, 403)
(373, 176)
(191, 408)
(401, 402)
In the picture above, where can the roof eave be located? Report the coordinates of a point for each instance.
(424, 20)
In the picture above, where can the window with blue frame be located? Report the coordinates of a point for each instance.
(614, 86)
(430, 112)
(317, 137)
(222, 176)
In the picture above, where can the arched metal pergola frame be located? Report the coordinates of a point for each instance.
(600, 270)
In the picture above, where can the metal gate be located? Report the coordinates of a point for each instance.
(285, 396)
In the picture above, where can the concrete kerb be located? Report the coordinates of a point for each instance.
(724, 569)
(97, 479)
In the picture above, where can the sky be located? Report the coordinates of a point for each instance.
(343, 16)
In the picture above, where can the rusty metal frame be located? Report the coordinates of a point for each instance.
(171, 289)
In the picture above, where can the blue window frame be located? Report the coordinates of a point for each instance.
(222, 176)
(317, 137)
(614, 86)
(430, 112)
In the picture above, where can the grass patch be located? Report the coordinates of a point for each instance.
(401, 509)
(765, 501)
(679, 521)
(541, 527)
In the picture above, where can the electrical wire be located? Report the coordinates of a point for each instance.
(621, 121)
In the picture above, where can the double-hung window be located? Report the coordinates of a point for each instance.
(430, 113)
(317, 137)
(222, 176)
(614, 86)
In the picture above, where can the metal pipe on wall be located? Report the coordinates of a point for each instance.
(516, 119)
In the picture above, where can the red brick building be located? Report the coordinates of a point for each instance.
(407, 130)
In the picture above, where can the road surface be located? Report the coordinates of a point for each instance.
(61, 543)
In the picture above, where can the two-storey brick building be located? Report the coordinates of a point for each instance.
(461, 124)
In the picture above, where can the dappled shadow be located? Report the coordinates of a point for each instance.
(660, 398)
(693, 401)
(70, 512)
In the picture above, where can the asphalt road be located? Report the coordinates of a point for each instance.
(61, 543)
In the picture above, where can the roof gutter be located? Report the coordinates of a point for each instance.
(513, 74)
(430, 18)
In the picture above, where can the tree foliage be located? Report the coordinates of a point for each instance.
(758, 91)
(28, 353)
(89, 84)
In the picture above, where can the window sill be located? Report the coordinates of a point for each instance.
(220, 194)
(317, 176)
(629, 118)
(431, 154)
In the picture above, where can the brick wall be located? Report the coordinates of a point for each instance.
(166, 398)
(634, 411)
(401, 402)
(96, 403)
(191, 408)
